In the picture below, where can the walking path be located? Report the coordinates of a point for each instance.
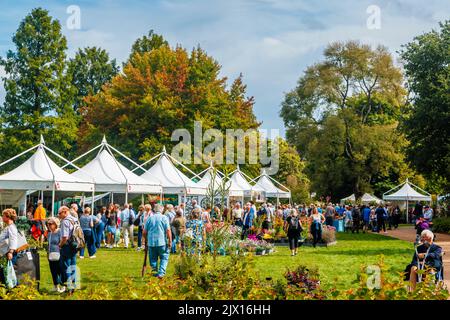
(409, 234)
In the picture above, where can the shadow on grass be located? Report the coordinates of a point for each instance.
(364, 237)
(367, 252)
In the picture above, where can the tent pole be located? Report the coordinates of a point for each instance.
(142, 199)
(93, 201)
(407, 211)
(126, 195)
(53, 200)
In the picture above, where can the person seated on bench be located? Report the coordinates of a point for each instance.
(427, 255)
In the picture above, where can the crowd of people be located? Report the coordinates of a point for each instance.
(161, 229)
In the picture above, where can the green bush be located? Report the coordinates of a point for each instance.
(441, 225)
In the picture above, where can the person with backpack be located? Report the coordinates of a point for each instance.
(294, 228)
(70, 242)
(356, 217)
(380, 213)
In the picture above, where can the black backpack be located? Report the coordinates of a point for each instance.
(294, 223)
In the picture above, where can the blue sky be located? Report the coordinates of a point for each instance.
(270, 41)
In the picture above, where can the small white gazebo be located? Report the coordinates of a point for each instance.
(172, 180)
(111, 176)
(41, 173)
(366, 198)
(406, 192)
(266, 184)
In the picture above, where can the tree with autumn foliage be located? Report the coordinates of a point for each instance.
(159, 91)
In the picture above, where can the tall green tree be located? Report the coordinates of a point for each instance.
(341, 116)
(39, 95)
(148, 43)
(427, 125)
(291, 172)
(89, 70)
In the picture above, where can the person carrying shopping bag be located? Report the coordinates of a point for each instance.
(12, 243)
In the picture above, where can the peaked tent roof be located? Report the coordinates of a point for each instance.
(366, 198)
(111, 176)
(39, 172)
(207, 178)
(406, 193)
(172, 179)
(239, 186)
(264, 184)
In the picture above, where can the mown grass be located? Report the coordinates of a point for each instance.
(338, 265)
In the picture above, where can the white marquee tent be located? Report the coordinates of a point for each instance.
(366, 198)
(266, 184)
(406, 192)
(111, 176)
(40, 172)
(239, 186)
(207, 178)
(172, 180)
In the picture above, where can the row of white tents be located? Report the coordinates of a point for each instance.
(405, 192)
(106, 174)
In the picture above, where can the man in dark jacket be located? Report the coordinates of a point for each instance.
(381, 223)
(427, 255)
(356, 217)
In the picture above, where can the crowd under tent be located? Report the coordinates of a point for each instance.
(172, 180)
(365, 199)
(40, 172)
(405, 192)
(266, 185)
(109, 175)
(239, 186)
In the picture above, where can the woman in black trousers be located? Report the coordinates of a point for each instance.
(294, 228)
(317, 219)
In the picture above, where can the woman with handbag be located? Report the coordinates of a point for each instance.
(54, 237)
(12, 244)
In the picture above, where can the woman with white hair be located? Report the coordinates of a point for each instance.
(427, 256)
(54, 237)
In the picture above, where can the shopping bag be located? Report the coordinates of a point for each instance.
(10, 275)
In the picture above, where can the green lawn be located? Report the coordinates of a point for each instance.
(338, 265)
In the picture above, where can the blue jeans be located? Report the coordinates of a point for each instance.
(68, 262)
(139, 236)
(90, 243)
(174, 244)
(100, 234)
(161, 252)
(55, 269)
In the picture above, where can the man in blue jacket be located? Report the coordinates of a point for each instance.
(249, 214)
(366, 218)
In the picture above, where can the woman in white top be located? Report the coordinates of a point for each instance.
(317, 219)
(10, 240)
(237, 214)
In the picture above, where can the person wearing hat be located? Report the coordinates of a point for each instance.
(54, 237)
